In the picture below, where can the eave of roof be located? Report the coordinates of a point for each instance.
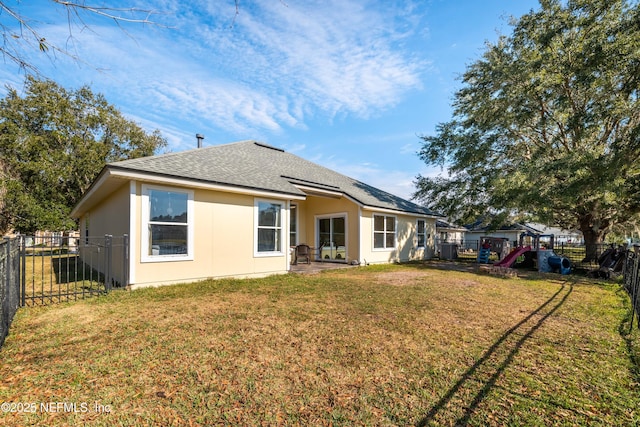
(111, 178)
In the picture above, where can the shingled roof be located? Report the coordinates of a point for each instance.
(257, 166)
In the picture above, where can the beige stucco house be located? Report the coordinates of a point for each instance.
(236, 210)
(447, 232)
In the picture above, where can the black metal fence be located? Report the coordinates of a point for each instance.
(576, 253)
(60, 270)
(631, 278)
(52, 268)
(9, 284)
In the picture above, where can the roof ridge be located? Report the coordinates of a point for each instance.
(193, 150)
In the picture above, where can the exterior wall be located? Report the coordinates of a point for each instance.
(224, 232)
(111, 216)
(303, 235)
(406, 240)
(448, 235)
(317, 207)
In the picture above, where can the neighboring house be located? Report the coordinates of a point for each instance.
(561, 236)
(511, 232)
(449, 232)
(236, 210)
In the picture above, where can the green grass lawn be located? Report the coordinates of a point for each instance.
(56, 276)
(379, 345)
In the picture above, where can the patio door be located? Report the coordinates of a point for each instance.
(332, 236)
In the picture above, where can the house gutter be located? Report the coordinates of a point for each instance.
(206, 185)
(110, 172)
(396, 211)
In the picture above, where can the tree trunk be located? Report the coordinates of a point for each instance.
(594, 235)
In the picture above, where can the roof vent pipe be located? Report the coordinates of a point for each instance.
(199, 137)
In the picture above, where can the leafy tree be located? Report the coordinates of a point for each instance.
(546, 123)
(53, 143)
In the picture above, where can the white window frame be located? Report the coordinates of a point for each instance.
(144, 235)
(424, 233)
(293, 219)
(317, 218)
(385, 232)
(282, 228)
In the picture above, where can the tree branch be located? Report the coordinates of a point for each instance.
(110, 12)
(31, 37)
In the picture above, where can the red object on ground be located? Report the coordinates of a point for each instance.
(513, 255)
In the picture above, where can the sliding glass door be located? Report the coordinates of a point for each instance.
(332, 238)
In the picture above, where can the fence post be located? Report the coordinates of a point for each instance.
(630, 281)
(6, 293)
(125, 261)
(108, 242)
(9, 262)
(23, 270)
(634, 290)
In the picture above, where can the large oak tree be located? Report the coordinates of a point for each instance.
(546, 123)
(53, 143)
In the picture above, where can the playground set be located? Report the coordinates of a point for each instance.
(535, 250)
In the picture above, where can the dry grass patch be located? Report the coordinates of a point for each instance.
(338, 348)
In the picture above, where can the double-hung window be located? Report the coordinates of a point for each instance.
(421, 233)
(269, 222)
(167, 229)
(384, 232)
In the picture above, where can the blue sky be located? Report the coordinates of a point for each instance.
(350, 85)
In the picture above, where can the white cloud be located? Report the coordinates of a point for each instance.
(396, 182)
(274, 66)
(329, 58)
